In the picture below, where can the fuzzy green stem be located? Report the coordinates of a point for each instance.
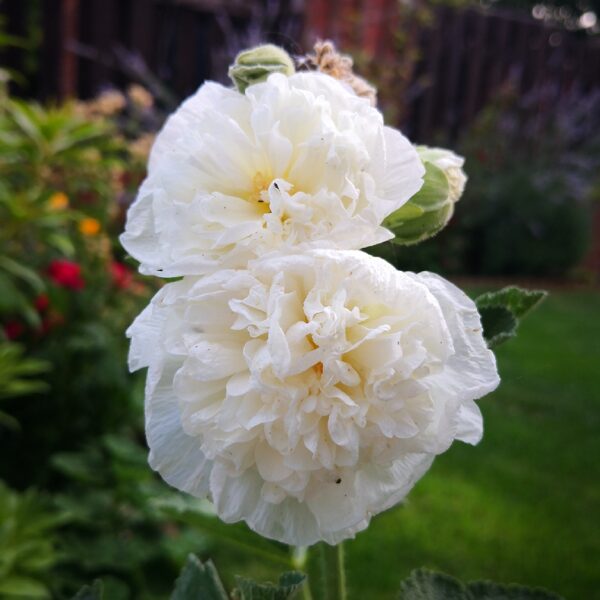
(299, 561)
(333, 573)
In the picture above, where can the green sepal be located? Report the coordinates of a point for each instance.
(255, 65)
(426, 213)
(422, 228)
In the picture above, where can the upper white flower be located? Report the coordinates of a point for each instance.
(308, 392)
(297, 161)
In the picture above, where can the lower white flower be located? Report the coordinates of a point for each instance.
(308, 392)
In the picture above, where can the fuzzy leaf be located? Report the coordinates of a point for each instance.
(197, 581)
(515, 299)
(290, 584)
(487, 590)
(501, 311)
(423, 584)
(499, 324)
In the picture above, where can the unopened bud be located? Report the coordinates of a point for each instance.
(430, 209)
(255, 65)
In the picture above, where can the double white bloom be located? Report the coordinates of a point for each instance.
(295, 162)
(301, 386)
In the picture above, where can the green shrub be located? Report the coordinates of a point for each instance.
(533, 164)
(67, 294)
(27, 543)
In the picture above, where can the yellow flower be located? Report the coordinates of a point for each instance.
(58, 201)
(89, 226)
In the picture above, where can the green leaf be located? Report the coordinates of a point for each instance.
(22, 587)
(502, 310)
(499, 324)
(487, 590)
(423, 584)
(22, 272)
(515, 299)
(428, 585)
(289, 586)
(9, 422)
(198, 581)
(62, 243)
(91, 592)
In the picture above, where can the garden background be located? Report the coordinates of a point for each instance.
(512, 85)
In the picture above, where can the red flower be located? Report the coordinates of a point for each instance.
(121, 275)
(42, 302)
(66, 274)
(13, 330)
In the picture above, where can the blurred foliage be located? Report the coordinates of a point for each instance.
(533, 163)
(201, 581)
(115, 529)
(17, 377)
(27, 544)
(67, 174)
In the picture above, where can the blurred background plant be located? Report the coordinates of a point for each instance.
(28, 548)
(66, 175)
(528, 209)
(84, 86)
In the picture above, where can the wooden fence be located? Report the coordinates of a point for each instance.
(461, 58)
(463, 55)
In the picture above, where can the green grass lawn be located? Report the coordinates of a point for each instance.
(524, 505)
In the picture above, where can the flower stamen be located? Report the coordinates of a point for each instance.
(260, 185)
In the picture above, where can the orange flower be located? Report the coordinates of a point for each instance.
(89, 226)
(58, 201)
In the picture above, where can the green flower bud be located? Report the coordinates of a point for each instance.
(255, 65)
(430, 209)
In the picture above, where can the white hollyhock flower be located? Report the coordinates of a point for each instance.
(297, 161)
(308, 392)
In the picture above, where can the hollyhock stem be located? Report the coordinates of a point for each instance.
(299, 562)
(333, 573)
